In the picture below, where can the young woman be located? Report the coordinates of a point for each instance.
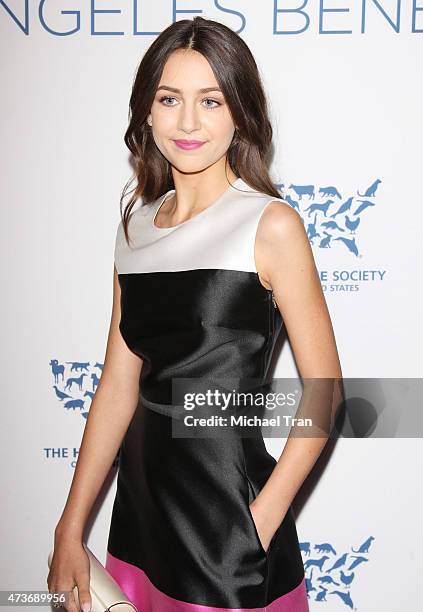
(207, 269)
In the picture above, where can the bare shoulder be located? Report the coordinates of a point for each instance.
(281, 241)
(279, 221)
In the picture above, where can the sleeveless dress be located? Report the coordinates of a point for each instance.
(182, 536)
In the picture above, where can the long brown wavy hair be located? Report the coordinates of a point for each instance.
(238, 77)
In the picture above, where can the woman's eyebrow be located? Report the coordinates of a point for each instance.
(175, 90)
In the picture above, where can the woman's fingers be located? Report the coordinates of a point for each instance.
(65, 587)
(83, 584)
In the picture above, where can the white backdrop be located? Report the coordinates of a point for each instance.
(344, 87)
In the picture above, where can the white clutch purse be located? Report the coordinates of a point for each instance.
(105, 592)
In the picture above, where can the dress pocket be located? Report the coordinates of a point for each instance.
(251, 496)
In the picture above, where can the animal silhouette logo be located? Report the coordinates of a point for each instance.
(328, 573)
(74, 383)
(328, 217)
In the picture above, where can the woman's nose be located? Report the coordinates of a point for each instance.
(188, 118)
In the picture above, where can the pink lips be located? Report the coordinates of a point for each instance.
(188, 144)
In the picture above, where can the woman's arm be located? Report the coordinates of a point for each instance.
(111, 411)
(284, 260)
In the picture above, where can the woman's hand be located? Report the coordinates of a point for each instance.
(266, 523)
(70, 566)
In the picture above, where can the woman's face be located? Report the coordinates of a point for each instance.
(181, 111)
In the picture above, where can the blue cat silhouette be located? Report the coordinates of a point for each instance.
(78, 365)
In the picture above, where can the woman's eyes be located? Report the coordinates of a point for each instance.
(205, 100)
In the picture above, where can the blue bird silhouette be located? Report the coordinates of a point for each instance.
(357, 561)
(339, 563)
(346, 597)
(352, 224)
(60, 394)
(347, 579)
(344, 207)
(363, 206)
(350, 244)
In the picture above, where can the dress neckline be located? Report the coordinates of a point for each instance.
(164, 197)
